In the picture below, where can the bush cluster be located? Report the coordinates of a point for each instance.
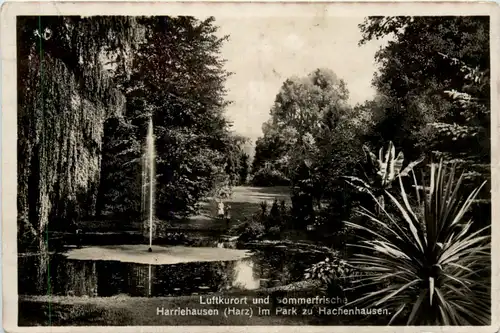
(267, 222)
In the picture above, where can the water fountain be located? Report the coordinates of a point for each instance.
(163, 255)
(148, 181)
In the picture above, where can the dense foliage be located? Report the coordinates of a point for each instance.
(313, 136)
(301, 114)
(413, 75)
(434, 93)
(432, 103)
(427, 255)
(268, 222)
(244, 168)
(88, 86)
(64, 96)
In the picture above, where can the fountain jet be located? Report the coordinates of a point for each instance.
(148, 180)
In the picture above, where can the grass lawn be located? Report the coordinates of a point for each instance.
(244, 202)
(140, 311)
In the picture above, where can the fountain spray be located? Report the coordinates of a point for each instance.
(150, 155)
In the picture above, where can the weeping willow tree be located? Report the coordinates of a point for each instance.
(66, 90)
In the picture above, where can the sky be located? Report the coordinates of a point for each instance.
(263, 52)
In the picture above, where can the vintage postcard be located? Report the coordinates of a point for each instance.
(207, 167)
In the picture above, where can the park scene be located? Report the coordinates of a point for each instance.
(175, 170)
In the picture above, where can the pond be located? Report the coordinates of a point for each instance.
(262, 268)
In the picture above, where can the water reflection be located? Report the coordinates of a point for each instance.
(109, 278)
(42, 261)
(80, 278)
(149, 281)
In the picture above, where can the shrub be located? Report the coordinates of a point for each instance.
(276, 215)
(332, 269)
(267, 222)
(274, 232)
(302, 209)
(329, 220)
(175, 238)
(269, 177)
(333, 273)
(430, 268)
(252, 230)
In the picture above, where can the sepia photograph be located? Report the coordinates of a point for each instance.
(308, 170)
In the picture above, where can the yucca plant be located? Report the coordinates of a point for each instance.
(425, 264)
(382, 172)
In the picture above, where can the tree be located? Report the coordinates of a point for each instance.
(177, 79)
(466, 141)
(65, 94)
(413, 75)
(311, 140)
(270, 164)
(470, 128)
(244, 167)
(296, 117)
(435, 76)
